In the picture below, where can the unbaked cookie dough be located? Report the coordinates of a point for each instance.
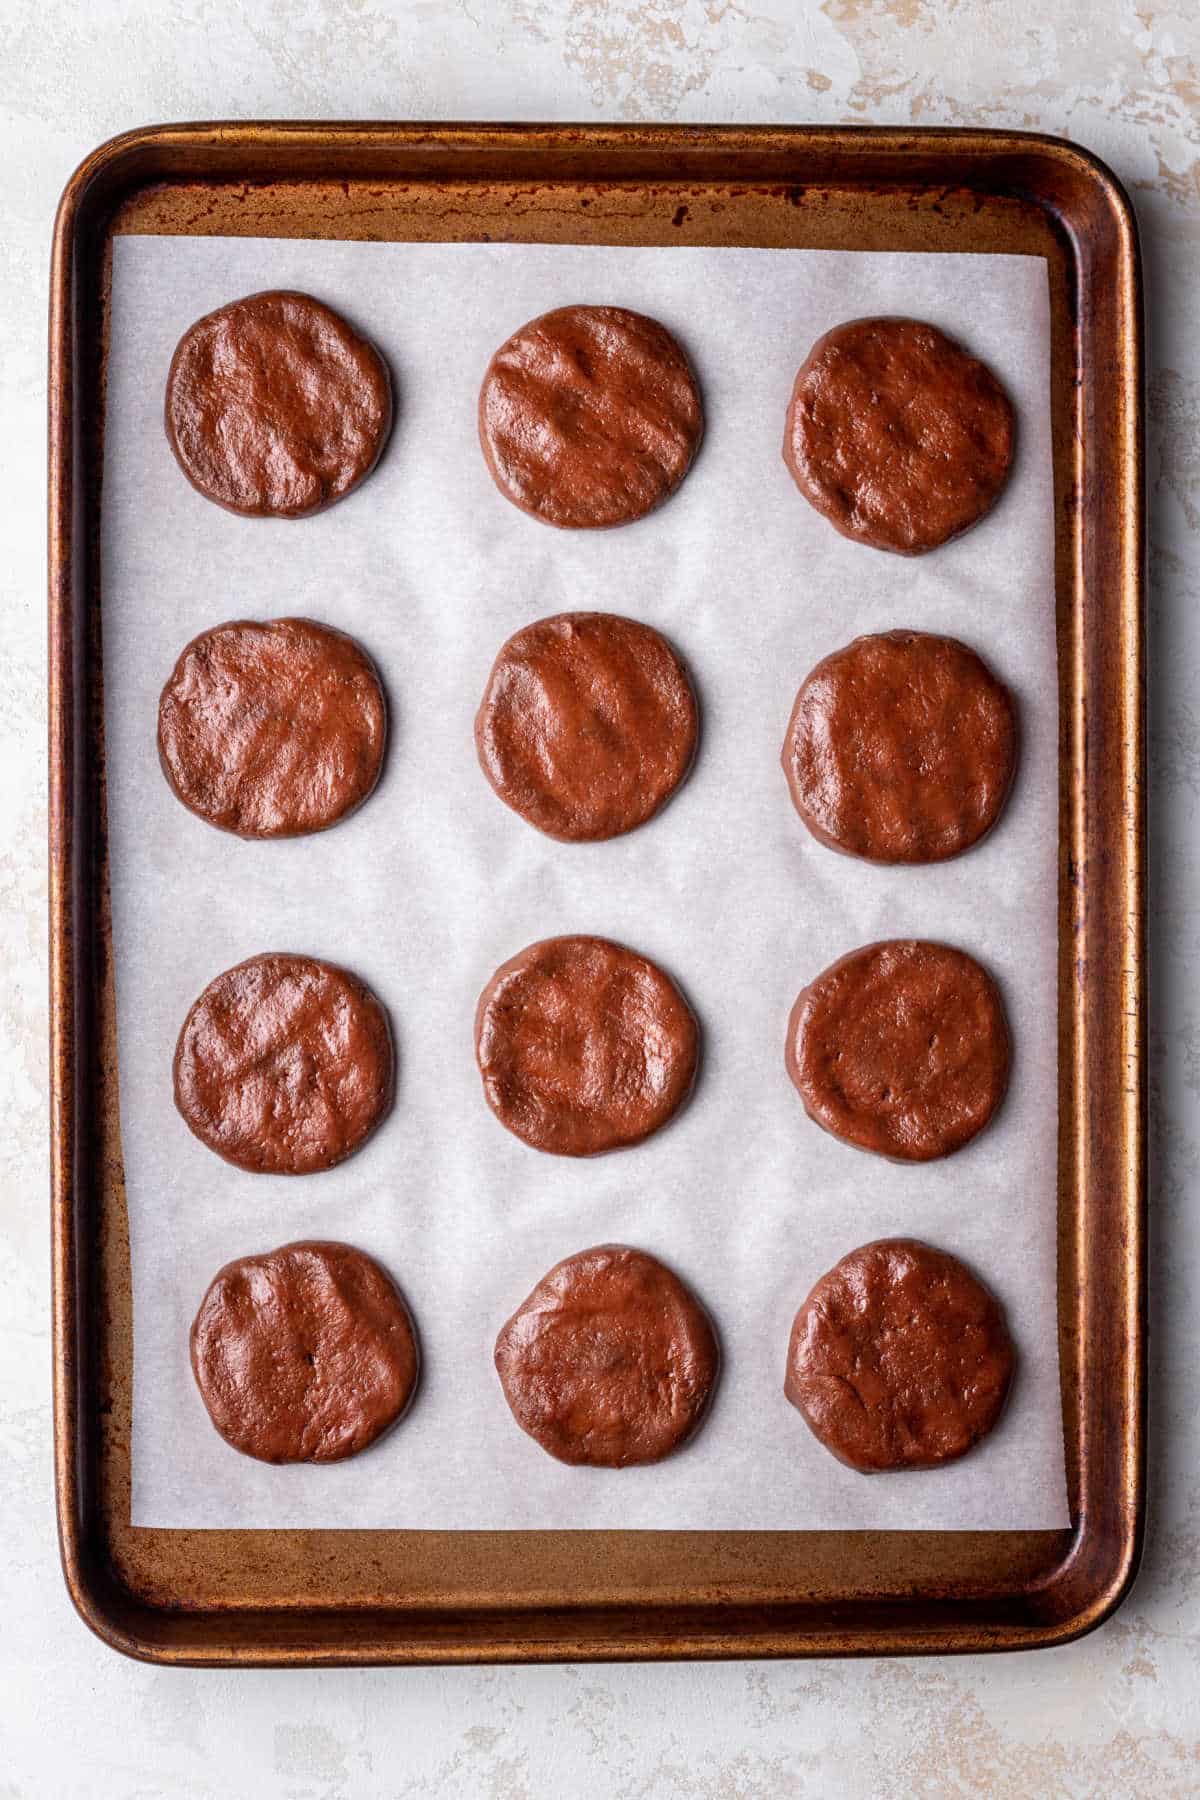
(901, 748)
(584, 1046)
(589, 416)
(901, 1048)
(284, 1065)
(610, 1361)
(587, 725)
(276, 406)
(900, 1358)
(305, 1354)
(272, 729)
(897, 434)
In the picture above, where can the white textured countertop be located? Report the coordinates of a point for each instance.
(1116, 1715)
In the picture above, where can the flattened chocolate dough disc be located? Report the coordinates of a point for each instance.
(584, 1046)
(901, 1048)
(610, 1361)
(306, 1354)
(588, 724)
(276, 406)
(899, 436)
(899, 1358)
(901, 748)
(272, 730)
(589, 416)
(284, 1065)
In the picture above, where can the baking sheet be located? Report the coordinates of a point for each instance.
(434, 882)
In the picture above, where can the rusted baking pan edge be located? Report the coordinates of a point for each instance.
(244, 1598)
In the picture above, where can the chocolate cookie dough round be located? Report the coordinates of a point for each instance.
(284, 1065)
(589, 416)
(587, 726)
(272, 730)
(901, 1048)
(305, 1354)
(901, 748)
(899, 1358)
(276, 406)
(610, 1361)
(584, 1046)
(897, 434)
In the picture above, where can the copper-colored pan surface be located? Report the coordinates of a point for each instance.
(308, 1597)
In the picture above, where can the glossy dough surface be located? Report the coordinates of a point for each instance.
(901, 748)
(588, 724)
(897, 434)
(589, 416)
(901, 1048)
(284, 1065)
(273, 729)
(610, 1361)
(276, 406)
(899, 1358)
(584, 1046)
(304, 1354)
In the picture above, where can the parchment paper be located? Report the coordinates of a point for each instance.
(434, 882)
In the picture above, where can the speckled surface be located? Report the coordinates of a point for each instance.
(1117, 1715)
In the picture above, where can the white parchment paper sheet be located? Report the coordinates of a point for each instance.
(434, 882)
